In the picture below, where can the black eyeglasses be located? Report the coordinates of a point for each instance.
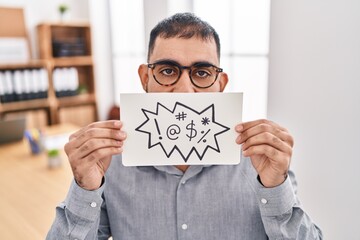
(202, 74)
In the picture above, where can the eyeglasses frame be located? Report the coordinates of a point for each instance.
(153, 65)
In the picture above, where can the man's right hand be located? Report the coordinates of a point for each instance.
(90, 150)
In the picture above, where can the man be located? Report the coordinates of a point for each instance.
(253, 200)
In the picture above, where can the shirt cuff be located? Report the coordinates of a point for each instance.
(277, 200)
(83, 203)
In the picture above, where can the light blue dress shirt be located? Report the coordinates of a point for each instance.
(163, 203)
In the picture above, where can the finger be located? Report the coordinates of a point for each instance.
(111, 124)
(103, 152)
(267, 138)
(94, 156)
(246, 125)
(94, 144)
(98, 133)
(272, 153)
(262, 128)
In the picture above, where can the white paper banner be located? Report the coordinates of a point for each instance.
(181, 128)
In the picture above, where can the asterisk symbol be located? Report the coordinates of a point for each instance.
(205, 121)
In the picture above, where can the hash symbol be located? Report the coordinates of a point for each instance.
(181, 116)
(205, 121)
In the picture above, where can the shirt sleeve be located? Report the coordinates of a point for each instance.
(81, 216)
(282, 214)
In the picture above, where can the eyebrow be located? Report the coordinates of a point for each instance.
(168, 60)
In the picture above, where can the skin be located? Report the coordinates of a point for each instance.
(268, 145)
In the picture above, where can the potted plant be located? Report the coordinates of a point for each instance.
(54, 158)
(63, 9)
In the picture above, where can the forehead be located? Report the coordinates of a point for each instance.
(185, 51)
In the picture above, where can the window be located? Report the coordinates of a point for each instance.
(243, 26)
(128, 44)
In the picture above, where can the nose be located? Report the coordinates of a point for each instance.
(184, 83)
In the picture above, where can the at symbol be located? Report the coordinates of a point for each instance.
(172, 132)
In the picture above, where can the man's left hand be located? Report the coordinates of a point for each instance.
(270, 148)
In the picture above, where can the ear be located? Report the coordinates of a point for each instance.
(144, 76)
(223, 81)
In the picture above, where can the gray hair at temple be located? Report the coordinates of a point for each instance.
(183, 25)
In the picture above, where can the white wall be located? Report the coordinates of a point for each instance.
(314, 90)
(101, 44)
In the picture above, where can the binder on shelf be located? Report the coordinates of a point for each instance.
(2, 92)
(44, 83)
(9, 90)
(24, 84)
(66, 82)
(19, 90)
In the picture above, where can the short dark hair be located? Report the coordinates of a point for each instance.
(183, 25)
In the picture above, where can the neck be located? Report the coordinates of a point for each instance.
(182, 167)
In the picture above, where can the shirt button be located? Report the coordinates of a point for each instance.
(184, 226)
(264, 201)
(93, 204)
(183, 182)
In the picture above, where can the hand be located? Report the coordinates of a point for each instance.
(270, 148)
(90, 150)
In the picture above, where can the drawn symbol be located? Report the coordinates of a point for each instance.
(158, 129)
(193, 131)
(172, 131)
(181, 116)
(205, 121)
(202, 132)
(170, 143)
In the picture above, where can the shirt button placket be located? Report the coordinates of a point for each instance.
(182, 210)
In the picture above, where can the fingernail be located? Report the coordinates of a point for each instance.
(245, 153)
(238, 139)
(117, 123)
(122, 134)
(239, 127)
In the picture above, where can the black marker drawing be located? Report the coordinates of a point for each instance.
(187, 130)
(205, 121)
(172, 132)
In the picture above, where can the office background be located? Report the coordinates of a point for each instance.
(307, 70)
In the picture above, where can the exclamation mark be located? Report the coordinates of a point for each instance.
(158, 129)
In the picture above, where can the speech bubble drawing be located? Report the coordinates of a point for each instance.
(189, 132)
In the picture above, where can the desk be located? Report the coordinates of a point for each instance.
(29, 190)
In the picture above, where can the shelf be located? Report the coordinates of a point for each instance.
(24, 65)
(24, 105)
(82, 99)
(79, 24)
(72, 61)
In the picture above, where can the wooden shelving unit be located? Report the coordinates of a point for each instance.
(64, 46)
(61, 46)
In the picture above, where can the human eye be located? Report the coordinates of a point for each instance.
(203, 72)
(168, 70)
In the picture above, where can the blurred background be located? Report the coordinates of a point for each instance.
(63, 65)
